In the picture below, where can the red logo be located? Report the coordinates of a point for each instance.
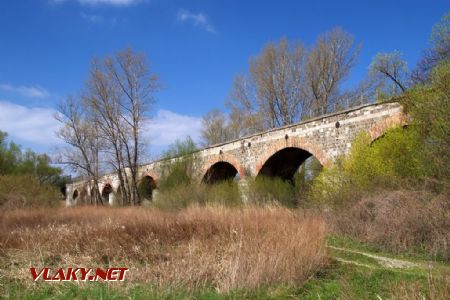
(79, 274)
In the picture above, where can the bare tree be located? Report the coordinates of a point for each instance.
(112, 113)
(120, 93)
(390, 66)
(329, 62)
(214, 128)
(275, 87)
(81, 136)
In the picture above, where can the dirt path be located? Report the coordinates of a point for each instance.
(384, 261)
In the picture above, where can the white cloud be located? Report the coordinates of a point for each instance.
(103, 2)
(35, 125)
(27, 91)
(166, 127)
(199, 20)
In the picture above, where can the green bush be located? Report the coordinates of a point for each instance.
(429, 108)
(225, 193)
(393, 159)
(179, 165)
(19, 191)
(263, 190)
(402, 157)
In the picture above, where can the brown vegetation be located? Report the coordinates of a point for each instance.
(400, 221)
(197, 247)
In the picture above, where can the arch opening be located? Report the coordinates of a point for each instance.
(288, 162)
(107, 190)
(146, 187)
(75, 195)
(63, 191)
(220, 171)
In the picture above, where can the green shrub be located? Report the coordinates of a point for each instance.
(388, 162)
(264, 190)
(224, 193)
(429, 108)
(179, 165)
(18, 191)
(415, 155)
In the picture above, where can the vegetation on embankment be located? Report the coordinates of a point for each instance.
(27, 179)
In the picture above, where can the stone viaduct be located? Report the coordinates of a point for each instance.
(276, 152)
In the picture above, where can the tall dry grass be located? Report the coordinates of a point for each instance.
(400, 221)
(208, 246)
(436, 288)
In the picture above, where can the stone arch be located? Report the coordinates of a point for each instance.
(221, 170)
(107, 193)
(146, 185)
(75, 195)
(150, 174)
(292, 142)
(379, 128)
(223, 159)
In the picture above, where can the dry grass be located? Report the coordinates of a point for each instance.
(436, 288)
(245, 248)
(399, 221)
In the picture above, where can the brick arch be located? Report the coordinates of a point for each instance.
(224, 157)
(294, 142)
(152, 175)
(75, 194)
(102, 186)
(379, 128)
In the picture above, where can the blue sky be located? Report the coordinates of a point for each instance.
(197, 47)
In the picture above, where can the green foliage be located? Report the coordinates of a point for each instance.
(10, 154)
(398, 154)
(395, 157)
(26, 178)
(224, 193)
(440, 36)
(179, 167)
(14, 161)
(180, 148)
(411, 154)
(18, 191)
(429, 108)
(263, 190)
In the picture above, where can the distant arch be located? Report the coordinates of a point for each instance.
(106, 193)
(146, 186)
(75, 195)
